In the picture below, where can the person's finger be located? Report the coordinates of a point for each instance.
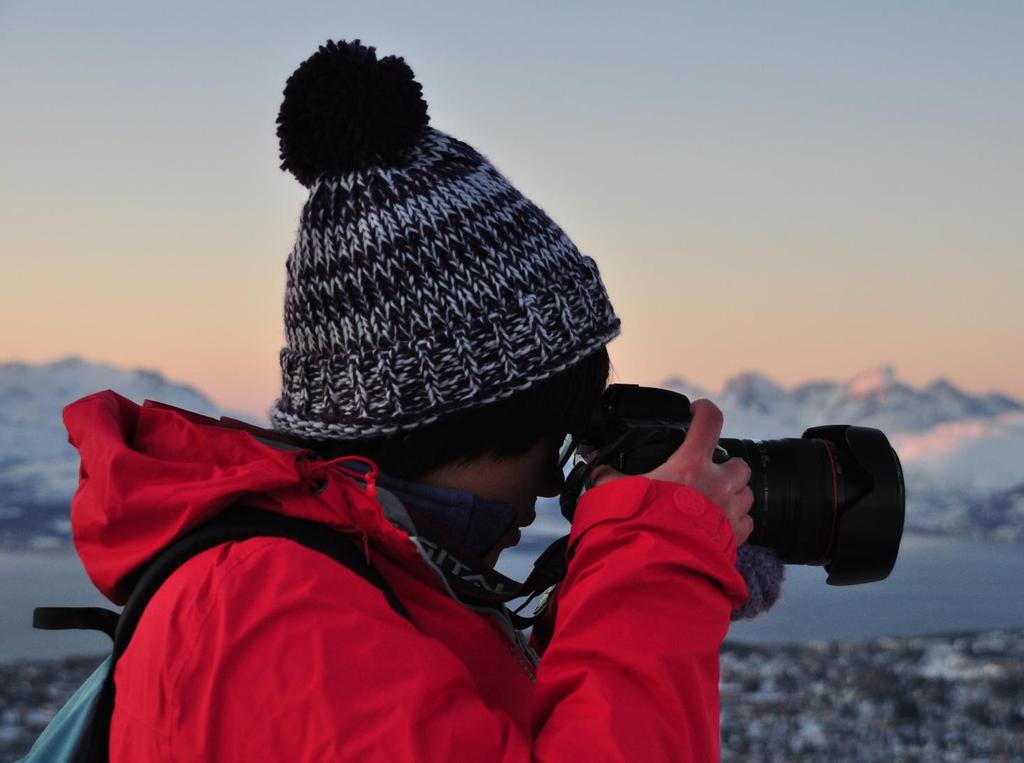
(704, 432)
(743, 529)
(737, 474)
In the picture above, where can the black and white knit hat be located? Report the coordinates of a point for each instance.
(421, 282)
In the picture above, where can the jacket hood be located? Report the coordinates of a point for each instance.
(151, 473)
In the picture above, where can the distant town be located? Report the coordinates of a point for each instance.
(940, 698)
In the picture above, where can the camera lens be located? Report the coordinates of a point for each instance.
(796, 496)
(833, 498)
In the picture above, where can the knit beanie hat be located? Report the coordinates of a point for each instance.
(421, 282)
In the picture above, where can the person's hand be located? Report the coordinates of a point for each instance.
(725, 484)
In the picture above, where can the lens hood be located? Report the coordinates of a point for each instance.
(869, 527)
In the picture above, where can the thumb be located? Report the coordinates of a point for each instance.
(602, 474)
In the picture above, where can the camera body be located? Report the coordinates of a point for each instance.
(833, 497)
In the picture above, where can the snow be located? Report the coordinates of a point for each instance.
(956, 448)
(756, 407)
(683, 387)
(943, 660)
(873, 381)
(977, 454)
(37, 465)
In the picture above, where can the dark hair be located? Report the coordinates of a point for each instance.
(507, 427)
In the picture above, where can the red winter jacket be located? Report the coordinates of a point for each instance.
(266, 650)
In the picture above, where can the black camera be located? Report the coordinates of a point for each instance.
(833, 497)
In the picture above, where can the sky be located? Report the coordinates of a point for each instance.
(803, 189)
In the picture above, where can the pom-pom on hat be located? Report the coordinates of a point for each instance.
(344, 110)
(421, 282)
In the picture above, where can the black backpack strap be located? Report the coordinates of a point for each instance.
(72, 618)
(237, 523)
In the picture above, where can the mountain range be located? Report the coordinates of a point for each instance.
(38, 468)
(875, 398)
(961, 453)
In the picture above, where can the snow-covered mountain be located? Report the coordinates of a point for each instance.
(962, 454)
(875, 398)
(38, 468)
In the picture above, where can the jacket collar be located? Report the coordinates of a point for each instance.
(476, 523)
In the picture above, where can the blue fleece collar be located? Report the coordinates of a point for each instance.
(477, 523)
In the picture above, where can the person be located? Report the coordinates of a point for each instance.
(442, 336)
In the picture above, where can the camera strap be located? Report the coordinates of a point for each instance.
(579, 477)
(477, 584)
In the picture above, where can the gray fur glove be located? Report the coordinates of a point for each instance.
(764, 573)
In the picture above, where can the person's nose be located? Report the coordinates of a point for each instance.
(553, 481)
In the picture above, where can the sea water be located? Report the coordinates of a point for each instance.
(938, 585)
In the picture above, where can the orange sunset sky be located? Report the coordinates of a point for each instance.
(803, 190)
